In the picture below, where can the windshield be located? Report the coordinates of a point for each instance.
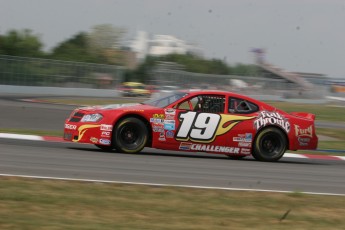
(165, 100)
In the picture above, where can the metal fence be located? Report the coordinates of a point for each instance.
(53, 73)
(22, 71)
(252, 85)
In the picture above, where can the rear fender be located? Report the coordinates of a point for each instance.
(309, 116)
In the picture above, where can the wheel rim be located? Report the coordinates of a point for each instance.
(129, 136)
(271, 145)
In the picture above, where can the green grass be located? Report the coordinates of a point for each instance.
(338, 134)
(48, 204)
(323, 112)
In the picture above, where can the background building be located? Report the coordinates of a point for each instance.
(158, 45)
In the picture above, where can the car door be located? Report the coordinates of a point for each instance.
(243, 113)
(194, 120)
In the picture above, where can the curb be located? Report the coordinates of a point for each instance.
(60, 139)
(31, 137)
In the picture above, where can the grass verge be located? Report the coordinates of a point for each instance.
(322, 112)
(48, 204)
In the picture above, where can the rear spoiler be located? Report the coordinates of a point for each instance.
(310, 116)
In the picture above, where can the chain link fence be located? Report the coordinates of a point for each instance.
(260, 84)
(24, 71)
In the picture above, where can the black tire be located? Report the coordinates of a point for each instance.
(130, 135)
(270, 145)
(105, 147)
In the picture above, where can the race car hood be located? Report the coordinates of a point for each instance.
(107, 107)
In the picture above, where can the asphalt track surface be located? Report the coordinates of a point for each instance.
(80, 161)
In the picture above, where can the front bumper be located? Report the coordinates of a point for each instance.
(88, 133)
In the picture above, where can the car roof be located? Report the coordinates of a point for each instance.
(226, 93)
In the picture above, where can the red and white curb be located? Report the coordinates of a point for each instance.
(31, 137)
(60, 139)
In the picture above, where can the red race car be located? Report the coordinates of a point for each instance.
(196, 121)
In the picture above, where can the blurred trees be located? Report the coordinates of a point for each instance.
(190, 63)
(104, 41)
(103, 45)
(74, 49)
(21, 43)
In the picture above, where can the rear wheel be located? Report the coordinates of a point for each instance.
(130, 135)
(270, 145)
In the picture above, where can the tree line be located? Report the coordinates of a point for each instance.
(102, 45)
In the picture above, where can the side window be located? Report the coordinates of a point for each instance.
(210, 104)
(188, 104)
(237, 105)
(204, 103)
(184, 105)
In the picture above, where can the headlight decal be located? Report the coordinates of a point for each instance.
(92, 117)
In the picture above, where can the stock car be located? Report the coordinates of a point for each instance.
(195, 121)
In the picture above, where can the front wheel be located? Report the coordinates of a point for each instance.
(130, 135)
(270, 145)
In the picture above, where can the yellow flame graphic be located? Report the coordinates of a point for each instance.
(82, 129)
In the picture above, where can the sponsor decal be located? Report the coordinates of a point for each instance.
(185, 146)
(205, 127)
(303, 141)
(308, 132)
(245, 144)
(158, 125)
(170, 134)
(106, 134)
(169, 117)
(156, 120)
(271, 118)
(158, 129)
(94, 140)
(169, 125)
(214, 148)
(245, 151)
(304, 135)
(71, 127)
(104, 141)
(162, 136)
(106, 127)
(243, 138)
(159, 116)
(170, 112)
(209, 148)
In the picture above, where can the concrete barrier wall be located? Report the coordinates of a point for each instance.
(56, 91)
